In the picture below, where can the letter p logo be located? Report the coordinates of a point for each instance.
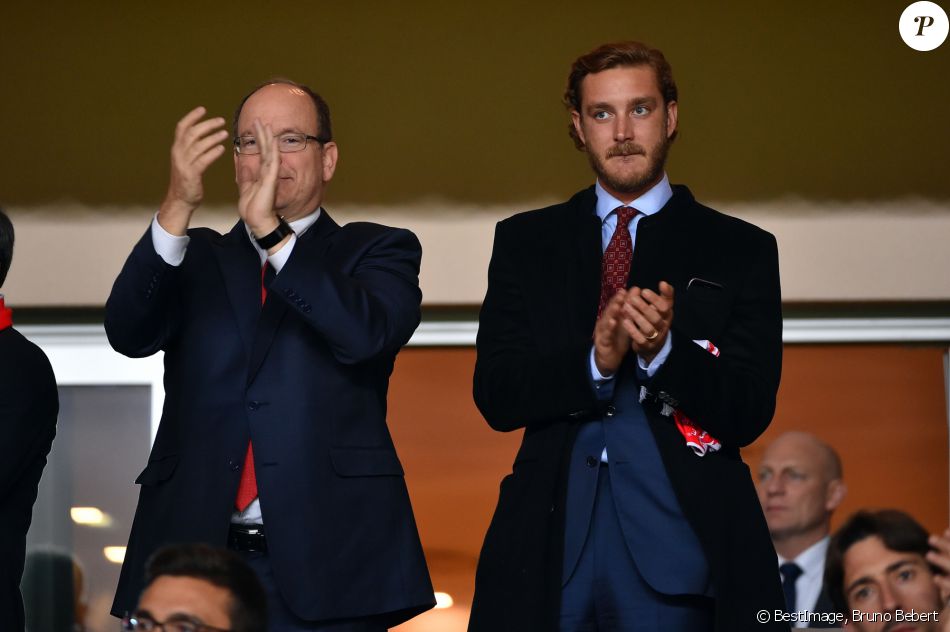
(925, 21)
(923, 25)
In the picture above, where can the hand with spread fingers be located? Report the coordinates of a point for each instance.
(197, 144)
(259, 191)
(646, 317)
(940, 558)
(611, 342)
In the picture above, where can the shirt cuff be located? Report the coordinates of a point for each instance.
(658, 360)
(279, 258)
(171, 248)
(595, 375)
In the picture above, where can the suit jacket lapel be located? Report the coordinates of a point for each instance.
(275, 308)
(241, 270)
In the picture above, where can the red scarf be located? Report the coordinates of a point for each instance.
(6, 315)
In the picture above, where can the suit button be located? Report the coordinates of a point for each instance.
(234, 465)
(307, 309)
(252, 406)
(591, 462)
(610, 412)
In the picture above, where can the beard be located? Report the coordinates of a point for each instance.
(638, 182)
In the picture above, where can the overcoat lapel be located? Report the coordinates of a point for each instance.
(585, 232)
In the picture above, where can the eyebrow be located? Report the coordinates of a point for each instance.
(603, 105)
(178, 617)
(890, 569)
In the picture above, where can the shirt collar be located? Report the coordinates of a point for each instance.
(811, 559)
(299, 226)
(649, 203)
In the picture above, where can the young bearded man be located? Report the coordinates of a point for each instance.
(635, 335)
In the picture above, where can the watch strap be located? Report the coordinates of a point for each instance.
(273, 238)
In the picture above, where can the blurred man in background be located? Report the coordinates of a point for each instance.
(200, 586)
(800, 485)
(884, 573)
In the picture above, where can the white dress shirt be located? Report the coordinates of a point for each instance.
(808, 585)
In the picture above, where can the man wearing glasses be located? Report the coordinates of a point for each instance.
(198, 588)
(279, 339)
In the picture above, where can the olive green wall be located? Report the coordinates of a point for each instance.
(460, 102)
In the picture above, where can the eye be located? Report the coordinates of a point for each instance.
(641, 110)
(862, 594)
(906, 575)
(291, 140)
(601, 115)
(248, 141)
(765, 475)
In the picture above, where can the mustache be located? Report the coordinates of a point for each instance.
(626, 148)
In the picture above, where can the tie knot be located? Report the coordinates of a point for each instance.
(625, 214)
(790, 571)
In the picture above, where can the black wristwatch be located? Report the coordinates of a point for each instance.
(273, 238)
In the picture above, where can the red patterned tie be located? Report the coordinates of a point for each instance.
(247, 488)
(616, 263)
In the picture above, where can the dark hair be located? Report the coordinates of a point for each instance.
(324, 128)
(897, 530)
(610, 56)
(6, 245)
(223, 568)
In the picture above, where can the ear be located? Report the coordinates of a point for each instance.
(672, 114)
(834, 494)
(576, 120)
(330, 156)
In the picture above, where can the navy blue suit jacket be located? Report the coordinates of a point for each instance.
(305, 377)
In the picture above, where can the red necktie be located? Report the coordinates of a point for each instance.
(247, 488)
(6, 315)
(617, 256)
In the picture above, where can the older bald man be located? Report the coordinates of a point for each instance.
(800, 485)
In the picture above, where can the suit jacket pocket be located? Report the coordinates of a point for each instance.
(702, 311)
(348, 462)
(158, 470)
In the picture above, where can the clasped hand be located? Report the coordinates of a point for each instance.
(634, 319)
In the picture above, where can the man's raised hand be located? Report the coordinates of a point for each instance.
(197, 144)
(259, 191)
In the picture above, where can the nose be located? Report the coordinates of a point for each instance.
(623, 129)
(774, 486)
(890, 597)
